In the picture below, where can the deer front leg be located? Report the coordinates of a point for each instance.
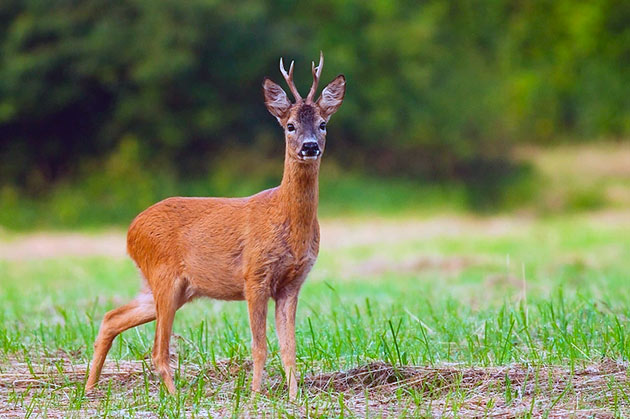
(286, 305)
(257, 306)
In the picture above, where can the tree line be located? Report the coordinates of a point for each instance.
(435, 89)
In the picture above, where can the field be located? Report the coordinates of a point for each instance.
(455, 315)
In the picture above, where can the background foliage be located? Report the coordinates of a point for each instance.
(160, 93)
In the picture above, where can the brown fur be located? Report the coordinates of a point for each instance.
(253, 248)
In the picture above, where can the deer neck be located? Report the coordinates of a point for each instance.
(299, 194)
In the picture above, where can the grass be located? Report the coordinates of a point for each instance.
(88, 207)
(581, 177)
(461, 316)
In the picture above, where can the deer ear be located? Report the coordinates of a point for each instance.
(276, 99)
(332, 96)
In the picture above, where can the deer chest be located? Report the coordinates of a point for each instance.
(288, 265)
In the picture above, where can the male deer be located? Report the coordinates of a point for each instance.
(253, 248)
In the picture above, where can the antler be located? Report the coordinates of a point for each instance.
(317, 71)
(289, 79)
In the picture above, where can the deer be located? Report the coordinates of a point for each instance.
(254, 248)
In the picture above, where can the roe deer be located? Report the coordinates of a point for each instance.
(253, 248)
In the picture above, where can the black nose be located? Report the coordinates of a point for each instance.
(310, 149)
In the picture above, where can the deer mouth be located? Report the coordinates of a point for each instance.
(310, 157)
(310, 151)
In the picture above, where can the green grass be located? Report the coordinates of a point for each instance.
(479, 293)
(554, 180)
(93, 203)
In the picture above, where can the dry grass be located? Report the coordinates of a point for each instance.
(581, 176)
(336, 234)
(373, 389)
(589, 160)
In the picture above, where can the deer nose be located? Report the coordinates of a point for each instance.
(310, 149)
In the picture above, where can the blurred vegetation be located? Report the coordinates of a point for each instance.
(115, 105)
(114, 191)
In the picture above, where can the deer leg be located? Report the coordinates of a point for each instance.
(257, 306)
(139, 311)
(286, 305)
(166, 304)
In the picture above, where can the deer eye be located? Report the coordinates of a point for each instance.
(290, 127)
(322, 126)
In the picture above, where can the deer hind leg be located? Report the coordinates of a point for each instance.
(286, 305)
(167, 303)
(257, 307)
(139, 311)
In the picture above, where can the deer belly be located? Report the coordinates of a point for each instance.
(215, 276)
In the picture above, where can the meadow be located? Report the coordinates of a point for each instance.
(454, 314)
(474, 203)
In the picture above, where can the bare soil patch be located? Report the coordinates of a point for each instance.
(448, 265)
(383, 231)
(335, 234)
(377, 388)
(48, 245)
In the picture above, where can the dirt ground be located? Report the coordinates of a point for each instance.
(376, 388)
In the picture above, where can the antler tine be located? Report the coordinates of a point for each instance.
(289, 79)
(317, 72)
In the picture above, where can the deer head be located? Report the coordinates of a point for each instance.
(304, 122)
